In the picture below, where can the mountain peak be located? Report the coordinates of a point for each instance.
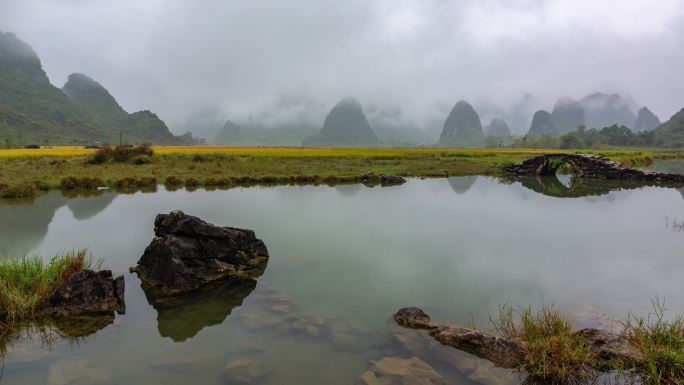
(646, 120)
(345, 125)
(567, 115)
(85, 91)
(542, 124)
(462, 127)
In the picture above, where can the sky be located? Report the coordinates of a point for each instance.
(249, 58)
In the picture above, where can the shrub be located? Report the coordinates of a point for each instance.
(173, 181)
(120, 154)
(21, 190)
(139, 160)
(84, 183)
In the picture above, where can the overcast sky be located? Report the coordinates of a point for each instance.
(245, 56)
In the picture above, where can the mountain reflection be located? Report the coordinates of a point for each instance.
(30, 219)
(27, 222)
(461, 184)
(88, 207)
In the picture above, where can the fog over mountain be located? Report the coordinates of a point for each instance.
(272, 60)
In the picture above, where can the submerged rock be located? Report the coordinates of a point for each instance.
(400, 371)
(244, 371)
(87, 292)
(188, 253)
(67, 372)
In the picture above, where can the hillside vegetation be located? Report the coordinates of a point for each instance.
(33, 111)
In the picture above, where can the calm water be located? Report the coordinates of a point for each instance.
(343, 259)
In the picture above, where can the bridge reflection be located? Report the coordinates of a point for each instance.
(577, 187)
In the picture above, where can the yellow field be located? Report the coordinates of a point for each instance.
(75, 151)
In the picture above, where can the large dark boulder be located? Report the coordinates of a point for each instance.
(87, 292)
(188, 253)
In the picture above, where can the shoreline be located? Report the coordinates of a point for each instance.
(26, 173)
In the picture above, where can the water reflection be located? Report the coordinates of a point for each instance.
(24, 224)
(575, 187)
(30, 219)
(348, 190)
(182, 317)
(352, 262)
(462, 184)
(88, 207)
(72, 330)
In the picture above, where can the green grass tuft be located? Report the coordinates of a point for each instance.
(660, 343)
(27, 282)
(554, 352)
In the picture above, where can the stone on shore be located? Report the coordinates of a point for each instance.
(87, 292)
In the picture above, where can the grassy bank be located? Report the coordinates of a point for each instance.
(26, 283)
(25, 172)
(557, 354)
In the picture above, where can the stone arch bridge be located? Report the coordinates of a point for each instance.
(588, 166)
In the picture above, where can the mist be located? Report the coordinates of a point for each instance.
(272, 60)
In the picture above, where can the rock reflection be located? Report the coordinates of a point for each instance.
(182, 317)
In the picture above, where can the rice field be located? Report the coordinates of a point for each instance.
(76, 151)
(25, 172)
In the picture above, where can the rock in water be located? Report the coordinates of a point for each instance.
(567, 115)
(462, 127)
(646, 120)
(400, 371)
(498, 127)
(244, 371)
(345, 125)
(542, 124)
(188, 253)
(87, 292)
